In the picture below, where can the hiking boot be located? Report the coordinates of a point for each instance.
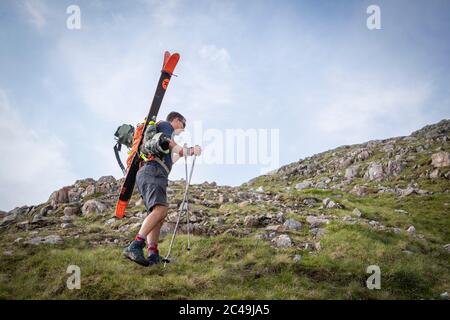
(135, 253)
(154, 258)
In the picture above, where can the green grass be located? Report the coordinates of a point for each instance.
(94, 195)
(225, 267)
(428, 214)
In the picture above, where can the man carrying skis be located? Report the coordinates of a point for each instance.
(152, 181)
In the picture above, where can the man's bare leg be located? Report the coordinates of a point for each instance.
(153, 220)
(152, 241)
(153, 236)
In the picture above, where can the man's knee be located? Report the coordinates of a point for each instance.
(161, 211)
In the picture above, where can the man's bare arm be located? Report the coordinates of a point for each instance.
(178, 151)
(175, 150)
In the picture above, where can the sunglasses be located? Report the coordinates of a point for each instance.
(183, 121)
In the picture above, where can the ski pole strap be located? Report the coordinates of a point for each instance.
(186, 152)
(117, 148)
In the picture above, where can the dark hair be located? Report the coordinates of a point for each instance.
(175, 115)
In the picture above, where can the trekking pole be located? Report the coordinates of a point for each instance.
(166, 259)
(187, 205)
(183, 204)
(186, 202)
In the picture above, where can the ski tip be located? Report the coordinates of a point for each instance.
(166, 57)
(120, 208)
(171, 63)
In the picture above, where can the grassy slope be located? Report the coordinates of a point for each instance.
(247, 268)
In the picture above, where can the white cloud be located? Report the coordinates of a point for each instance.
(220, 57)
(209, 86)
(33, 165)
(355, 106)
(115, 86)
(36, 11)
(163, 12)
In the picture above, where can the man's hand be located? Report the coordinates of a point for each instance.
(179, 151)
(196, 151)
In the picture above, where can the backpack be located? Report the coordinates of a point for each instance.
(156, 144)
(124, 135)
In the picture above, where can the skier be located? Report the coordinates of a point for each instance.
(151, 181)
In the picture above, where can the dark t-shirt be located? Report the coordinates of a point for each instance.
(166, 128)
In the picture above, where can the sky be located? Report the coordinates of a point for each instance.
(310, 72)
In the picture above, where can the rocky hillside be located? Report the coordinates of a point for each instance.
(308, 230)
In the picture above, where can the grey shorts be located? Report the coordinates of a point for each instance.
(151, 181)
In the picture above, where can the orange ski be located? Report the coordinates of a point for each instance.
(126, 190)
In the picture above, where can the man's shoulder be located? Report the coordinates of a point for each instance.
(164, 125)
